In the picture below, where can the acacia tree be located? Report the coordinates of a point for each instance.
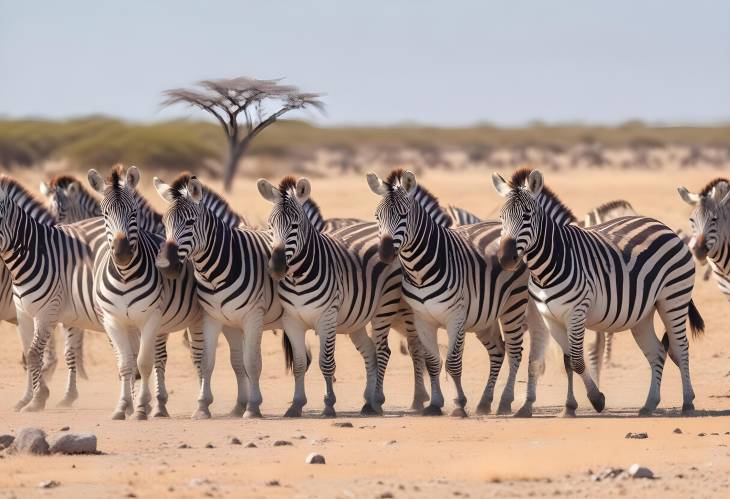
(244, 107)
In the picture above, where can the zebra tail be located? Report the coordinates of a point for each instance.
(403, 347)
(289, 353)
(665, 342)
(696, 323)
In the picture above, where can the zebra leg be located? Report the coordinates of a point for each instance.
(539, 338)
(367, 349)
(69, 354)
(234, 337)
(326, 330)
(576, 334)
(211, 330)
(559, 334)
(160, 388)
(454, 362)
(252, 333)
(512, 321)
(608, 350)
(415, 349)
(595, 355)
(675, 322)
(195, 346)
(124, 349)
(145, 364)
(295, 334)
(429, 341)
(381, 329)
(25, 331)
(43, 328)
(491, 338)
(656, 355)
(50, 359)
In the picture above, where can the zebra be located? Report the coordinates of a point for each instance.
(233, 286)
(451, 279)
(609, 277)
(332, 284)
(710, 238)
(460, 216)
(20, 196)
(51, 271)
(134, 299)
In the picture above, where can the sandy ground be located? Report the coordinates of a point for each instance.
(399, 455)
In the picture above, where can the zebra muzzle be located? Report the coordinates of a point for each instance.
(168, 261)
(699, 249)
(277, 263)
(507, 254)
(386, 249)
(121, 249)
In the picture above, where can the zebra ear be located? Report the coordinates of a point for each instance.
(724, 200)
(500, 184)
(45, 189)
(268, 191)
(535, 183)
(409, 182)
(195, 189)
(304, 188)
(96, 181)
(688, 197)
(164, 190)
(73, 189)
(132, 178)
(376, 185)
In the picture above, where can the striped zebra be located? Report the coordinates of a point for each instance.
(51, 271)
(460, 216)
(233, 286)
(710, 238)
(333, 284)
(136, 302)
(451, 279)
(27, 202)
(609, 277)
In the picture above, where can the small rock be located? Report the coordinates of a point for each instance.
(607, 473)
(64, 428)
(6, 441)
(262, 437)
(197, 482)
(130, 494)
(209, 446)
(234, 441)
(637, 435)
(48, 484)
(315, 458)
(391, 442)
(251, 445)
(299, 437)
(678, 431)
(183, 446)
(273, 483)
(714, 433)
(703, 434)
(636, 471)
(30, 441)
(73, 443)
(281, 443)
(386, 495)
(343, 424)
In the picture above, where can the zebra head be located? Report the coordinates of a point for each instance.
(65, 195)
(518, 220)
(182, 222)
(119, 209)
(392, 213)
(288, 221)
(708, 217)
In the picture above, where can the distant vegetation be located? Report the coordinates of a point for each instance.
(100, 141)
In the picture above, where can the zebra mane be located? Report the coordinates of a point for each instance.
(287, 184)
(612, 205)
(711, 184)
(422, 194)
(16, 192)
(179, 185)
(518, 180)
(115, 177)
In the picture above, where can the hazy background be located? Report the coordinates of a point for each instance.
(379, 62)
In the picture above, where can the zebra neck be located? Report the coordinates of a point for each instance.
(720, 255)
(29, 243)
(309, 249)
(424, 243)
(217, 238)
(551, 254)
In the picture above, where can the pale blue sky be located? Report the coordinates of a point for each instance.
(449, 62)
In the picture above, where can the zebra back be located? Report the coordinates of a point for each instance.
(215, 203)
(609, 211)
(25, 200)
(460, 216)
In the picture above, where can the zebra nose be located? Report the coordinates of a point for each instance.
(700, 248)
(386, 249)
(277, 263)
(507, 254)
(121, 249)
(168, 261)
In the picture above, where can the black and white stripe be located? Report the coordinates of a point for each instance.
(610, 277)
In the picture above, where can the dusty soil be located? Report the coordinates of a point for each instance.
(401, 454)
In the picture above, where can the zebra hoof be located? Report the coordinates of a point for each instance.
(568, 412)
(598, 401)
(139, 416)
(646, 412)
(459, 412)
(293, 412)
(67, 401)
(329, 412)
(201, 414)
(237, 411)
(34, 406)
(369, 410)
(161, 412)
(484, 409)
(19, 406)
(432, 410)
(504, 409)
(119, 416)
(688, 409)
(416, 406)
(524, 412)
(252, 413)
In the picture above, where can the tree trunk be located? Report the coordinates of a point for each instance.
(235, 153)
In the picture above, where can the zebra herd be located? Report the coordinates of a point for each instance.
(106, 261)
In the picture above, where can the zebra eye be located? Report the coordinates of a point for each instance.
(189, 223)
